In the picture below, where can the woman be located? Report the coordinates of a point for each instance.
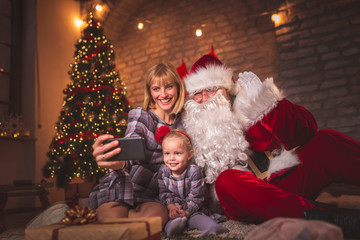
(130, 188)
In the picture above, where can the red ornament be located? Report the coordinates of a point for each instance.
(161, 132)
(96, 104)
(88, 134)
(79, 104)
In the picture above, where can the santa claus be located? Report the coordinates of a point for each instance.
(217, 147)
(290, 160)
(217, 130)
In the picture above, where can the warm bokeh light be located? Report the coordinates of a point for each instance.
(79, 22)
(140, 25)
(275, 18)
(99, 8)
(198, 32)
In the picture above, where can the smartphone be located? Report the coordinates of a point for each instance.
(132, 148)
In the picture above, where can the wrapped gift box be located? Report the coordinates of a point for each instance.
(110, 229)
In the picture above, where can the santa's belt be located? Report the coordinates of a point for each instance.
(259, 163)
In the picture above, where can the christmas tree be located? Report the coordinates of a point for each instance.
(95, 103)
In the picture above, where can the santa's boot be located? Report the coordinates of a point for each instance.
(347, 219)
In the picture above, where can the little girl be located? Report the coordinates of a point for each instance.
(181, 186)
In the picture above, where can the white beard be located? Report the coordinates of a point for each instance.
(217, 137)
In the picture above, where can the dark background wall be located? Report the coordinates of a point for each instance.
(313, 53)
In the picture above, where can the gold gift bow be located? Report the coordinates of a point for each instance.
(78, 216)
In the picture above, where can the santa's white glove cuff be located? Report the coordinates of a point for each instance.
(250, 83)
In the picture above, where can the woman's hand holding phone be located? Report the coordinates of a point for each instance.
(102, 155)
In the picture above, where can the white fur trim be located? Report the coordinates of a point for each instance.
(250, 110)
(286, 159)
(211, 76)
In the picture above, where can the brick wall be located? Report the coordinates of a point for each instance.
(313, 54)
(319, 61)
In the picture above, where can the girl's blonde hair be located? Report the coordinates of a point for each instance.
(164, 73)
(180, 134)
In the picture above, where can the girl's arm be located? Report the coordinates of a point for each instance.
(196, 196)
(166, 197)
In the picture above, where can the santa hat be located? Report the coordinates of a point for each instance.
(208, 72)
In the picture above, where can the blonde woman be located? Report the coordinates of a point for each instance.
(130, 189)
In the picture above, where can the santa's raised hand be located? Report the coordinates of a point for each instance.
(250, 83)
(255, 99)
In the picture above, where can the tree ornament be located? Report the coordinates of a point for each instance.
(123, 122)
(79, 104)
(117, 86)
(91, 117)
(87, 99)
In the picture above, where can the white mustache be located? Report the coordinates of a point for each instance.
(213, 103)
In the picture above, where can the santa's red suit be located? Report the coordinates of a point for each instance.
(311, 160)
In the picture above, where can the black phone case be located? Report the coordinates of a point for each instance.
(132, 148)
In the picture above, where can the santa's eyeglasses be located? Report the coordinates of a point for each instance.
(208, 92)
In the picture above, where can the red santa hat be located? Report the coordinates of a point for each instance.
(209, 72)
